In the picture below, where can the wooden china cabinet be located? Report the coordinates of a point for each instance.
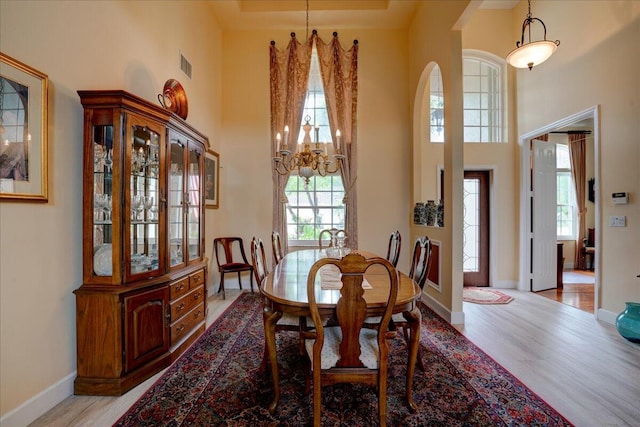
(143, 297)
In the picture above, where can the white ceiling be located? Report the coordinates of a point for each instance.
(291, 14)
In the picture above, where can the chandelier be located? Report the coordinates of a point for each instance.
(307, 161)
(531, 53)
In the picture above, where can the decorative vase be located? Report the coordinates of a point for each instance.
(628, 322)
(431, 213)
(440, 213)
(419, 213)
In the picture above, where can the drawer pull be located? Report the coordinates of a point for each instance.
(180, 307)
(196, 279)
(197, 295)
(197, 314)
(180, 287)
(180, 328)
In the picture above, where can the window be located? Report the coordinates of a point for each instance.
(566, 206)
(436, 106)
(483, 103)
(317, 206)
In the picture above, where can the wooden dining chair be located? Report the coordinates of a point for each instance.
(393, 251)
(324, 238)
(348, 351)
(287, 322)
(420, 266)
(225, 248)
(276, 247)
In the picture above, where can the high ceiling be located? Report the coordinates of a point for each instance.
(290, 14)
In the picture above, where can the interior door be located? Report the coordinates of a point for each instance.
(544, 208)
(476, 229)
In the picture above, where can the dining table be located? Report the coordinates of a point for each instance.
(284, 290)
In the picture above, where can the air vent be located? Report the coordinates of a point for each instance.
(185, 65)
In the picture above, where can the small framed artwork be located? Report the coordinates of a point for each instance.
(211, 179)
(23, 131)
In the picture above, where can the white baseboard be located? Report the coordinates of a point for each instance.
(39, 404)
(505, 284)
(453, 317)
(607, 316)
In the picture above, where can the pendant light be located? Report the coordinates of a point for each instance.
(526, 55)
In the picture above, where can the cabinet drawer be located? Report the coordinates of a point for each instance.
(183, 326)
(179, 288)
(183, 305)
(196, 279)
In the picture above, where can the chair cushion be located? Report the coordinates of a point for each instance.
(290, 319)
(395, 318)
(331, 348)
(234, 266)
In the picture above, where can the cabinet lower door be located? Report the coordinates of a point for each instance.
(146, 327)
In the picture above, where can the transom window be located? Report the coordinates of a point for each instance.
(317, 206)
(566, 200)
(484, 87)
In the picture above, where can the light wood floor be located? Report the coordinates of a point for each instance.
(580, 366)
(578, 290)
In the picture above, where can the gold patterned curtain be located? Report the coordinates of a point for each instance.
(339, 70)
(577, 155)
(289, 76)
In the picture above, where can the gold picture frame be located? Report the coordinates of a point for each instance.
(23, 132)
(211, 179)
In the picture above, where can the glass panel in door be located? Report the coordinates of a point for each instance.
(193, 214)
(102, 199)
(145, 199)
(176, 202)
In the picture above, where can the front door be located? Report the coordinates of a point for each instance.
(476, 228)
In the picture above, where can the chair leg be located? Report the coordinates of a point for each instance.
(239, 281)
(251, 279)
(221, 287)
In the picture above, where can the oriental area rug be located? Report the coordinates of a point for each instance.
(485, 296)
(219, 382)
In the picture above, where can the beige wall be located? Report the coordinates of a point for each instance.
(597, 63)
(82, 45)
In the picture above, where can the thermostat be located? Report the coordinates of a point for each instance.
(620, 198)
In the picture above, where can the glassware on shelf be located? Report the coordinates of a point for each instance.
(106, 206)
(97, 206)
(107, 159)
(136, 206)
(148, 204)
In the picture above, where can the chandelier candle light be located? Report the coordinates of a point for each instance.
(526, 55)
(307, 161)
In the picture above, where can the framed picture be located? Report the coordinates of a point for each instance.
(23, 132)
(211, 179)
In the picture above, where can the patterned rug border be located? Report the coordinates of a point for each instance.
(499, 297)
(511, 403)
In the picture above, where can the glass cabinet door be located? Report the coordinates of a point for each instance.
(144, 199)
(194, 193)
(177, 150)
(103, 165)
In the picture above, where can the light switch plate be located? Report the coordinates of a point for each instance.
(617, 221)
